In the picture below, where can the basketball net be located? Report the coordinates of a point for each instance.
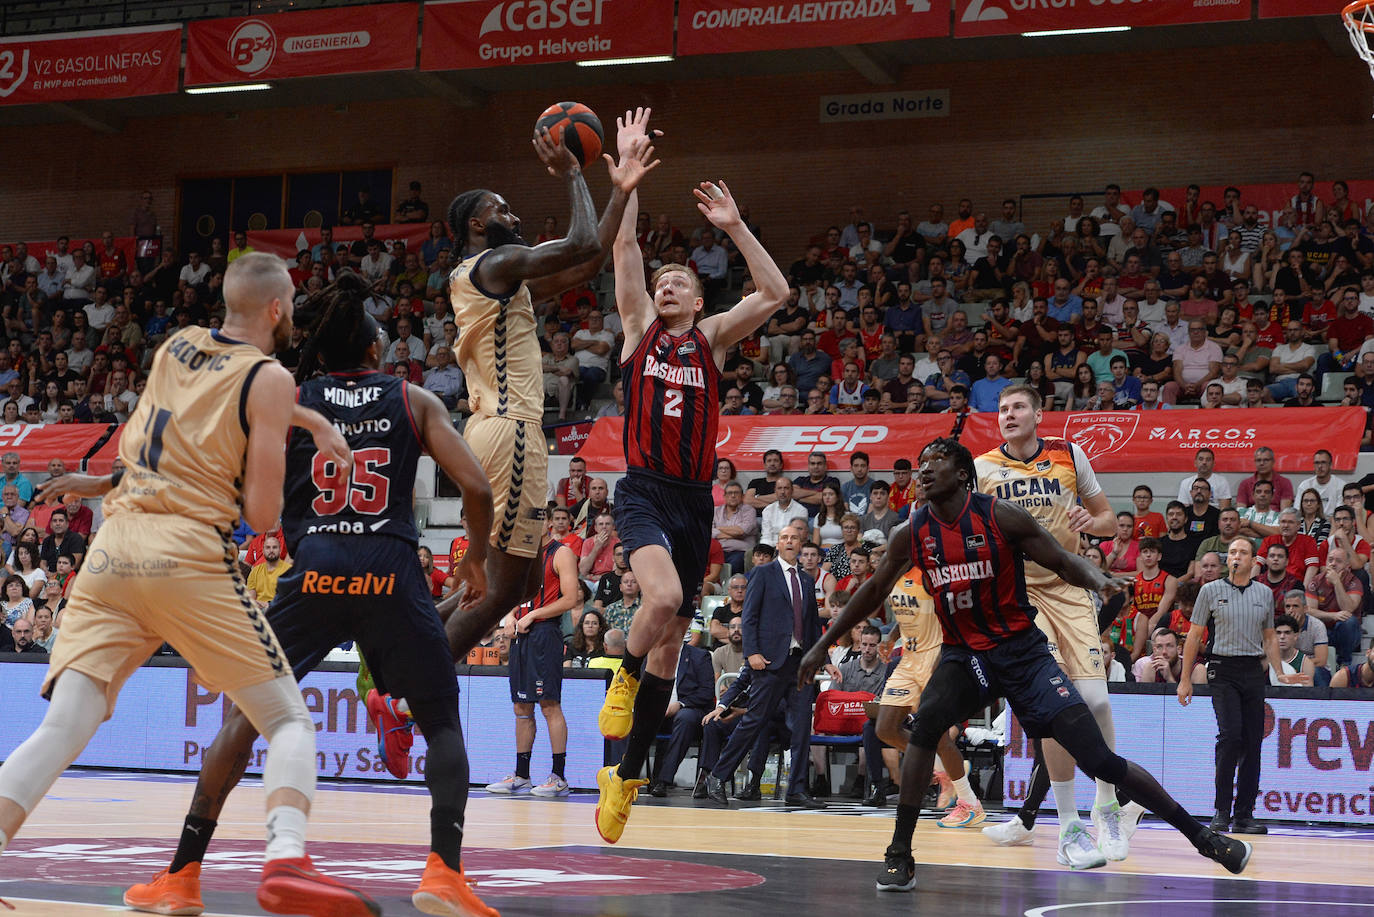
(1359, 22)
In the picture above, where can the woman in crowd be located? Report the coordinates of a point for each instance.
(827, 527)
(1021, 308)
(957, 268)
(438, 241)
(587, 641)
(780, 375)
(725, 474)
(1124, 548)
(1036, 379)
(10, 412)
(1095, 557)
(16, 603)
(1226, 332)
(49, 403)
(1084, 388)
(61, 330)
(837, 558)
(1043, 285)
(1234, 260)
(26, 567)
(1267, 261)
(27, 535)
(1311, 520)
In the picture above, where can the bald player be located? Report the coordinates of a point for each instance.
(1053, 481)
(204, 443)
(492, 291)
(922, 641)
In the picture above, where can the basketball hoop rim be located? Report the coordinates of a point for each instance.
(1351, 15)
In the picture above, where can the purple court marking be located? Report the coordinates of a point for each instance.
(384, 869)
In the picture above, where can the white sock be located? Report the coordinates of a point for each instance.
(1063, 802)
(1106, 794)
(285, 833)
(966, 794)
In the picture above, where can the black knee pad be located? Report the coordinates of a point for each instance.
(925, 730)
(1077, 731)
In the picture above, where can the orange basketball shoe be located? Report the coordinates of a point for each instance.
(176, 893)
(444, 891)
(291, 885)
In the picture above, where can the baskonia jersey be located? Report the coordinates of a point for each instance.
(551, 590)
(184, 445)
(372, 412)
(976, 577)
(1046, 485)
(671, 414)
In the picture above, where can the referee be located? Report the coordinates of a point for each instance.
(1240, 613)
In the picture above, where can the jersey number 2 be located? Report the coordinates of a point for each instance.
(365, 490)
(672, 403)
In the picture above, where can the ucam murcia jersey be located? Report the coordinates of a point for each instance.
(1047, 485)
(915, 613)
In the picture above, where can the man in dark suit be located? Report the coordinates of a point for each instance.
(721, 723)
(780, 618)
(695, 690)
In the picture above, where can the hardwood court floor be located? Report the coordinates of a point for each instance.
(96, 833)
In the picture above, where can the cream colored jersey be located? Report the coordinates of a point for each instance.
(498, 347)
(915, 613)
(1046, 485)
(185, 443)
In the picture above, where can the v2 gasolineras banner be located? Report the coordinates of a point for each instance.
(1115, 441)
(348, 39)
(109, 64)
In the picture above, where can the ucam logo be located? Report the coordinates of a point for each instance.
(811, 438)
(1100, 434)
(252, 46)
(538, 15)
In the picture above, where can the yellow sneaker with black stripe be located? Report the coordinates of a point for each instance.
(617, 710)
(613, 807)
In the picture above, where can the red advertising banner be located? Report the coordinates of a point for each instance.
(569, 437)
(1277, 9)
(1115, 441)
(350, 39)
(38, 444)
(102, 462)
(110, 64)
(464, 34)
(287, 242)
(725, 26)
(41, 250)
(1009, 17)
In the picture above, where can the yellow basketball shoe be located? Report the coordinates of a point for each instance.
(613, 808)
(617, 710)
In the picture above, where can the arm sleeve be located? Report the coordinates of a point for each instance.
(1083, 471)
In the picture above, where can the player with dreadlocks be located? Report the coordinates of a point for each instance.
(492, 290)
(972, 549)
(348, 530)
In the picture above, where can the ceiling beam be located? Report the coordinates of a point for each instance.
(86, 118)
(868, 66)
(460, 96)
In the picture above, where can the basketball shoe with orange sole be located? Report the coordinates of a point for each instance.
(448, 892)
(175, 893)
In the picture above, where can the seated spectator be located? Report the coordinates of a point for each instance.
(782, 510)
(1312, 520)
(1335, 596)
(1148, 524)
(880, 516)
(1311, 634)
(1125, 546)
(9, 464)
(1165, 663)
(445, 379)
(1127, 392)
(61, 541)
(1195, 364)
(44, 633)
(26, 567)
(262, 579)
(984, 393)
(735, 526)
(13, 514)
(1280, 488)
(1289, 361)
(942, 383)
(1260, 519)
(1327, 485)
(15, 604)
(1292, 660)
(596, 556)
(561, 372)
(1350, 329)
(587, 642)
(1306, 396)
(437, 578)
(22, 633)
(1084, 389)
(621, 612)
(1177, 547)
(1359, 676)
(1204, 465)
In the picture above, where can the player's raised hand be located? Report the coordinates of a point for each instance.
(635, 162)
(554, 155)
(717, 204)
(631, 128)
(85, 485)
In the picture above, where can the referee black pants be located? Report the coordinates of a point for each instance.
(1238, 684)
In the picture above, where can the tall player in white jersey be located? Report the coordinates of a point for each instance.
(1052, 480)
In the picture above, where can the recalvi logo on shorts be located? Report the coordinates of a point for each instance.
(366, 584)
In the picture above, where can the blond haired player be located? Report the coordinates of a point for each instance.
(492, 290)
(922, 640)
(1052, 480)
(203, 445)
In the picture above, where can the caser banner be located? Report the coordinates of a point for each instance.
(1314, 761)
(726, 26)
(1115, 441)
(109, 64)
(1009, 17)
(352, 39)
(465, 34)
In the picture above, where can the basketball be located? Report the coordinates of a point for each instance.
(584, 138)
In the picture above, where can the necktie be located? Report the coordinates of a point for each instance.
(797, 630)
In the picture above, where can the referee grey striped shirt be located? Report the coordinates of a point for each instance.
(1238, 617)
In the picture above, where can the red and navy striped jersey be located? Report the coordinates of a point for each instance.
(671, 414)
(977, 578)
(552, 589)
